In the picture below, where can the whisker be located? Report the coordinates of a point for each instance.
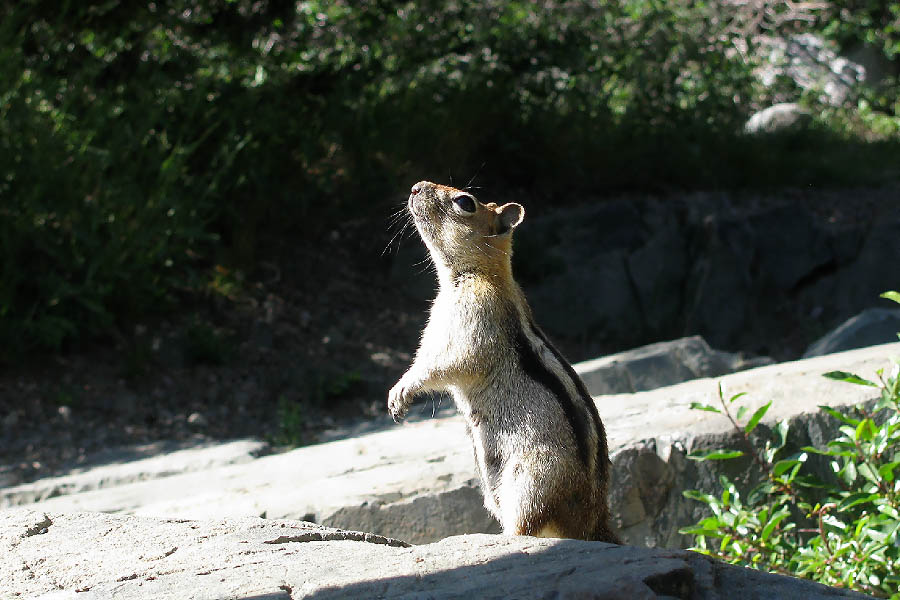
(387, 247)
(469, 185)
(402, 218)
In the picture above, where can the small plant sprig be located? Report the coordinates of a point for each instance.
(843, 531)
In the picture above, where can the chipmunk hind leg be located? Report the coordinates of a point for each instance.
(529, 500)
(553, 506)
(520, 501)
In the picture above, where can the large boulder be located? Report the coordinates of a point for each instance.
(93, 556)
(853, 285)
(659, 365)
(778, 117)
(871, 327)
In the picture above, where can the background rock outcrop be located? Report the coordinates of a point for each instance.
(618, 274)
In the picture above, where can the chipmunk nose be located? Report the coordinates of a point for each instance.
(419, 187)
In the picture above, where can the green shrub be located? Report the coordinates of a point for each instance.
(141, 144)
(842, 531)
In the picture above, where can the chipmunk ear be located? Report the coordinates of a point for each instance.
(508, 217)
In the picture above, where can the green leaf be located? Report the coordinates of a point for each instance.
(699, 496)
(759, 492)
(773, 523)
(706, 407)
(848, 473)
(868, 472)
(742, 410)
(854, 499)
(715, 455)
(736, 396)
(865, 431)
(783, 465)
(782, 429)
(754, 420)
(700, 531)
(886, 471)
(895, 296)
(849, 432)
(849, 378)
(838, 415)
(833, 521)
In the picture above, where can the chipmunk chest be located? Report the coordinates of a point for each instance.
(455, 323)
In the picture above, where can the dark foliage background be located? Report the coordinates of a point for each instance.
(148, 147)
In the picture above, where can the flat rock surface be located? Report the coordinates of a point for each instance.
(413, 481)
(92, 556)
(794, 387)
(120, 466)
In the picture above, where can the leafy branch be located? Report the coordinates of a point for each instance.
(842, 531)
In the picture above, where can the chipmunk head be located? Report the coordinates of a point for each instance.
(462, 233)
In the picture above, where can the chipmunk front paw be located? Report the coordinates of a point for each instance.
(399, 399)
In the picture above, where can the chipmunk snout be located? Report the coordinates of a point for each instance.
(420, 187)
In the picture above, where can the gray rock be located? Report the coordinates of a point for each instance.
(720, 294)
(91, 556)
(601, 306)
(778, 117)
(657, 271)
(574, 268)
(197, 421)
(121, 466)
(423, 519)
(661, 364)
(855, 286)
(871, 327)
(414, 482)
(787, 246)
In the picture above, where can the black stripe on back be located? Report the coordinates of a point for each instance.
(585, 396)
(535, 368)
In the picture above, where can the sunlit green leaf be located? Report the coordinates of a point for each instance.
(754, 420)
(838, 415)
(866, 471)
(895, 296)
(706, 407)
(783, 465)
(865, 431)
(886, 471)
(849, 378)
(715, 455)
(737, 396)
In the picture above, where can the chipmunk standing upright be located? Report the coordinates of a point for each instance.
(539, 444)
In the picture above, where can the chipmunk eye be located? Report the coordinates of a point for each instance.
(465, 204)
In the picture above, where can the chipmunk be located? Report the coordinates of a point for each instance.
(539, 444)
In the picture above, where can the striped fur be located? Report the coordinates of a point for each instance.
(539, 444)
